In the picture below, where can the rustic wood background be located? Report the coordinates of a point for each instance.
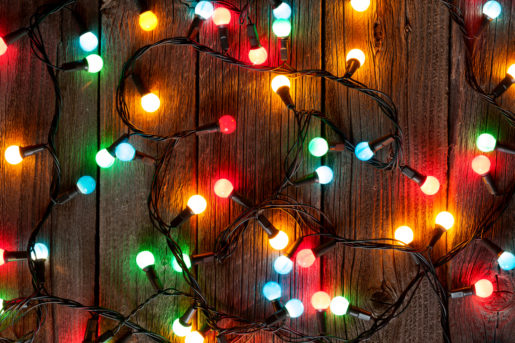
(414, 53)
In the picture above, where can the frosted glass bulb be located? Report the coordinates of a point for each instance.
(194, 337)
(223, 188)
(179, 329)
(283, 265)
(147, 21)
(481, 165)
(339, 306)
(295, 308)
(445, 219)
(506, 260)
(283, 11)
(3, 46)
(227, 124)
(324, 174)
(404, 234)
(272, 290)
(204, 9)
(88, 41)
(279, 241)
(430, 186)
(40, 252)
(150, 102)
(320, 301)
(221, 16)
(280, 81)
(177, 267)
(511, 71)
(360, 5)
(318, 147)
(13, 154)
(492, 9)
(86, 184)
(258, 56)
(305, 258)
(95, 63)
(281, 27)
(356, 54)
(125, 152)
(104, 159)
(197, 204)
(145, 259)
(363, 151)
(484, 288)
(486, 142)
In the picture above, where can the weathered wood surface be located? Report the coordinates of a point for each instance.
(413, 53)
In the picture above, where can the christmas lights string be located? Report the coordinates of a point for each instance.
(307, 217)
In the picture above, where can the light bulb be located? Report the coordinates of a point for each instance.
(258, 55)
(279, 241)
(320, 301)
(86, 184)
(363, 151)
(272, 290)
(511, 71)
(279, 82)
(3, 46)
(150, 102)
(179, 329)
(481, 165)
(221, 16)
(147, 21)
(281, 27)
(1, 305)
(360, 5)
(283, 11)
(430, 186)
(145, 259)
(486, 142)
(13, 154)
(305, 258)
(318, 147)
(95, 63)
(339, 306)
(324, 174)
(492, 9)
(104, 159)
(506, 260)
(2, 260)
(40, 252)
(197, 204)
(223, 188)
(295, 308)
(404, 234)
(283, 265)
(356, 54)
(204, 9)
(484, 288)
(125, 152)
(194, 337)
(177, 267)
(88, 41)
(445, 220)
(227, 124)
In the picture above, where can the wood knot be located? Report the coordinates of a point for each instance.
(378, 35)
(381, 298)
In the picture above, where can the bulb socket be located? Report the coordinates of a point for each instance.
(12, 37)
(194, 28)
(380, 143)
(291, 251)
(185, 214)
(67, 196)
(322, 322)
(223, 33)
(462, 292)
(268, 227)
(187, 317)
(277, 305)
(40, 270)
(31, 150)
(146, 159)
(138, 83)
(207, 257)
(239, 199)
(252, 35)
(359, 313)
(153, 278)
(283, 41)
(438, 232)
(284, 93)
(492, 246)
(503, 86)
(275, 3)
(324, 248)
(112, 148)
(351, 67)
(337, 147)
(277, 317)
(208, 128)
(11, 256)
(412, 174)
(142, 5)
(306, 180)
(490, 184)
(75, 65)
(504, 148)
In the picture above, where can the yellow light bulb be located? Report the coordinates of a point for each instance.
(280, 241)
(197, 204)
(280, 81)
(357, 55)
(13, 154)
(511, 71)
(445, 219)
(150, 102)
(360, 5)
(404, 234)
(148, 21)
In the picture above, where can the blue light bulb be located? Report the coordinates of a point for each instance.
(86, 184)
(283, 265)
(506, 260)
(295, 308)
(204, 9)
(325, 175)
(272, 290)
(363, 151)
(40, 252)
(88, 41)
(492, 9)
(125, 152)
(283, 11)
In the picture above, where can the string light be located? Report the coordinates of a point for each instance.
(92, 64)
(281, 10)
(404, 234)
(177, 267)
(444, 221)
(226, 125)
(492, 9)
(222, 18)
(305, 258)
(365, 151)
(148, 21)
(320, 301)
(322, 175)
(508, 80)
(182, 325)
(340, 306)
(125, 152)
(257, 54)
(145, 261)
(196, 205)
(295, 308)
(281, 28)
(360, 5)
(482, 288)
(505, 259)
(272, 290)
(355, 59)
(429, 185)
(203, 11)
(150, 102)
(10, 38)
(283, 265)
(318, 147)
(104, 159)
(279, 241)
(481, 166)
(487, 143)
(85, 185)
(88, 41)
(194, 337)
(281, 86)
(15, 154)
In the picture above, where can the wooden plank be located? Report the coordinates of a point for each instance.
(252, 158)
(405, 46)
(125, 228)
(491, 319)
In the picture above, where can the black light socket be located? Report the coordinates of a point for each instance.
(138, 83)
(492, 246)
(380, 143)
(284, 93)
(308, 179)
(195, 26)
(283, 48)
(241, 200)
(292, 250)
(278, 316)
(253, 36)
(147, 159)
(153, 278)
(503, 86)
(208, 128)
(75, 65)
(112, 148)
(490, 184)
(11, 256)
(275, 3)
(322, 322)
(223, 33)
(31, 150)
(40, 270)
(505, 148)
(202, 258)
(67, 196)
(412, 174)
(351, 67)
(12, 37)
(438, 232)
(185, 214)
(268, 227)
(187, 317)
(324, 248)
(337, 147)
(359, 313)
(142, 5)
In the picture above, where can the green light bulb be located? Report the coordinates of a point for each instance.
(145, 259)
(486, 142)
(175, 264)
(104, 159)
(318, 147)
(281, 27)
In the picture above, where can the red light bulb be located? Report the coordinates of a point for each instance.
(305, 258)
(227, 124)
(258, 55)
(3, 46)
(223, 188)
(430, 186)
(481, 165)
(483, 288)
(320, 301)
(2, 261)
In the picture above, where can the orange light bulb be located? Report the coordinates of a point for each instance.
(320, 301)
(13, 155)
